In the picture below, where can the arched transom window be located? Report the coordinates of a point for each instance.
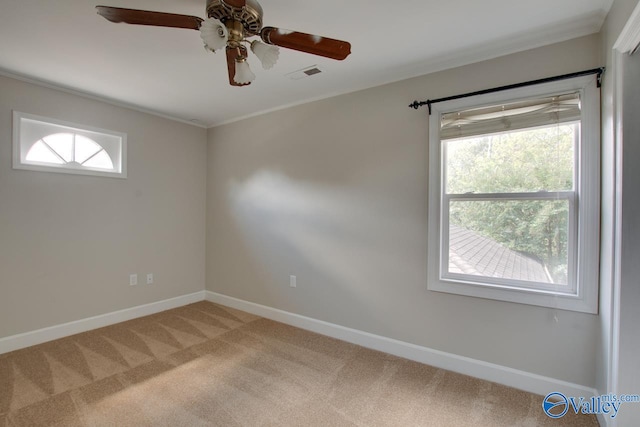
(50, 145)
(70, 149)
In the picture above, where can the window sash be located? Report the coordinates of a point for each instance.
(445, 147)
(572, 230)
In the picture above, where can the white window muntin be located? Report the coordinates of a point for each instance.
(28, 129)
(586, 202)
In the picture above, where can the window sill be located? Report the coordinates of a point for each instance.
(68, 170)
(535, 297)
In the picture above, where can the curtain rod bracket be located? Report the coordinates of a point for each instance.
(415, 105)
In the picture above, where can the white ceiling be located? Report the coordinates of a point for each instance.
(168, 72)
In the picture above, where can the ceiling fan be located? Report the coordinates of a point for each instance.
(229, 25)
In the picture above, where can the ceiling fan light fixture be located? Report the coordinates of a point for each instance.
(243, 75)
(229, 26)
(267, 54)
(214, 34)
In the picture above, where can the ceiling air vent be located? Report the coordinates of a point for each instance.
(305, 72)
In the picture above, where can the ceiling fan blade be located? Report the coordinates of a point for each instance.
(146, 17)
(316, 45)
(232, 54)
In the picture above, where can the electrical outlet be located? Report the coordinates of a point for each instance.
(292, 281)
(149, 278)
(133, 279)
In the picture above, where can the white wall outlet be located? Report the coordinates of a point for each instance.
(149, 278)
(292, 281)
(133, 279)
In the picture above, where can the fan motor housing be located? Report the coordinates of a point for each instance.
(250, 15)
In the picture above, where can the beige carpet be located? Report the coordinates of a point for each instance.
(204, 364)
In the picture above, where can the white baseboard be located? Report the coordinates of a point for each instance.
(522, 380)
(16, 342)
(515, 378)
(604, 421)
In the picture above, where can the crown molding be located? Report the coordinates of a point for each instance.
(558, 32)
(77, 92)
(629, 38)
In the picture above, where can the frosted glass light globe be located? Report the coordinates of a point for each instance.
(267, 54)
(244, 74)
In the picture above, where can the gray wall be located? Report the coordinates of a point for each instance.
(335, 192)
(68, 242)
(617, 18)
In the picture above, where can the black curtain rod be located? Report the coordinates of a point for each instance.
(416, 104)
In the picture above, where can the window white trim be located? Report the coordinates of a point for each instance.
(112, 142)
(585, 297)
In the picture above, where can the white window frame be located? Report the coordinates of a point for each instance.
(584, 295)
(114, 143)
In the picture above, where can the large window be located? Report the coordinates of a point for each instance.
(514, 195)
(50, 145)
